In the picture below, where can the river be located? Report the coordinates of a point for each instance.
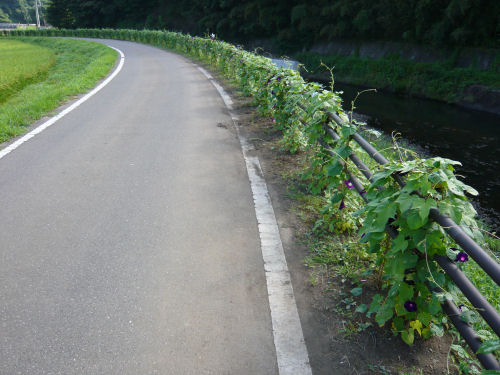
(471, 137)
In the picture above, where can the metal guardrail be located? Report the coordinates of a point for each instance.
(489, 265)
(8, 26)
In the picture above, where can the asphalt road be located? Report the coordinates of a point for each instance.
(129, 243)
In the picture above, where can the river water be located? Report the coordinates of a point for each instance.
(471, 137)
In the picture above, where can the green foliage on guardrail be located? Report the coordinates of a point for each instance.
(406, 262)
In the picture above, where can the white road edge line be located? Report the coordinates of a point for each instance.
(63, 113)
(291, 350)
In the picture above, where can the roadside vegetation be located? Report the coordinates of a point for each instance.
(41, 73)
(361, 278)
(296, 27)
(348, 233)
(22, 64)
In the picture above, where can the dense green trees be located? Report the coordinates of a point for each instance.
(17, 11)
(295, 24)
(4, 17)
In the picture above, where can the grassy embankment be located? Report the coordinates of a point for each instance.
(39, 74)
(22, 64)
(435, 80)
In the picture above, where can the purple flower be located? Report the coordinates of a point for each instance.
(274, 106)
(460, 307)
(462, 257)
(349, 184)
(342, 205)
(268, 82)
(274, 120)
(272, 92)
(278, 79)
(410, 306)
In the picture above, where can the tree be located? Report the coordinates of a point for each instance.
(59, 14)
(4, 18)
(295, 24)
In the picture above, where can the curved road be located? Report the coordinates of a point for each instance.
(129, 242)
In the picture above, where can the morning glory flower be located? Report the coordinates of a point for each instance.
(278, 79)
(342, 205)
(462, 257)
(349, 184)
(410, 306)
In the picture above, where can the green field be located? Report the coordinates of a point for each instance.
(22, 64)
(39, 74)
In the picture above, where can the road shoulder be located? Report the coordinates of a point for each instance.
(332, 348)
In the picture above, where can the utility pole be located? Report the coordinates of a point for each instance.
(42, 15)
(37, 15)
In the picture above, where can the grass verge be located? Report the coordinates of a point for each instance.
(22, 64)
(78, 65)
